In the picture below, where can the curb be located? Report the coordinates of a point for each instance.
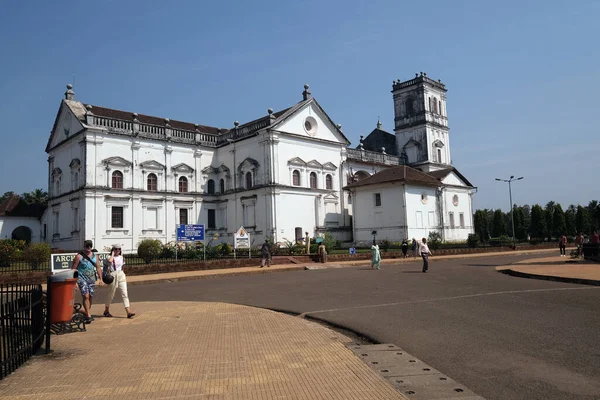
(208, 276)
(580, 281)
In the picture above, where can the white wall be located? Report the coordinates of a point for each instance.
(9, 224)
(423, 214)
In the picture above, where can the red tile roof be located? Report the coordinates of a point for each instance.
(401, 173)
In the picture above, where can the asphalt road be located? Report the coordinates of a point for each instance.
(503, 337)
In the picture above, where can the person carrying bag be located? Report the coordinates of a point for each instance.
(114, 267)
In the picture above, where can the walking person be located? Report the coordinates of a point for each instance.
(404, 248)
(579, 242)
(265, 254)
(88, 271)
(425, 253)
(375, 256)
(415, 247)
(115, 264)
(562, 244)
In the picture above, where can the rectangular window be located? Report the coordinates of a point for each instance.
(183, 216)
(212, 223)
(377, 199)
(419, 217)
(117, 217)
(151, 218)
(56, 220)
(45, 231)
(431, 218)
(461, 217)
(452, 220)
(75, 219)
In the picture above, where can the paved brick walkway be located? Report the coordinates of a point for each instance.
(199, 351)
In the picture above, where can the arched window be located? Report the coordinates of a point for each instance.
(349, 199)
(440, 107)
(435, 108)
(183, 184)
(408, 105)
(152, 182)
(296, 178)
(210, 186)
(313, 180)
(328, 182)
(430, 105)
(222, 185)
(75, 180)
(248, 180)
(439, 155)
(117, 180)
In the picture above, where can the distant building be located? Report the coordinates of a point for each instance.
(121, 177)
(21, 221)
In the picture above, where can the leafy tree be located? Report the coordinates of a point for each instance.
(38, 196)
(434, 240)
(594, 210)
(558, 221)
(549, 219)
(5, 196)
(498, 224)
(583, 221)
(481, 225)
(526, 218)
(538, 222)
(520, 230)
(570, 220)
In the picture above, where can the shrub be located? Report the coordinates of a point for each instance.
(168, 251)
(149, 249)
(225, 249)
(385, 245)
(330, 242)
(36, 254)
(10, 250)
(434, 240)
(473, 240)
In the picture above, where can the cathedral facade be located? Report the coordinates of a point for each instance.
(121, 177)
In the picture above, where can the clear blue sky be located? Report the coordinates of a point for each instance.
(523, 76)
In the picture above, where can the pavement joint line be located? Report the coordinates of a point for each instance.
(303, 315)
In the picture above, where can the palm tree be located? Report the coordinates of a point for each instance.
(38, 196)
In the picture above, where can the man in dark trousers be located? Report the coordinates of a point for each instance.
(265, 254)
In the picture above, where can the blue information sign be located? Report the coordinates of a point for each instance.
(190, 233)
(352, 251)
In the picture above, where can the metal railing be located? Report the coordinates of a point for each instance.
(22, 326)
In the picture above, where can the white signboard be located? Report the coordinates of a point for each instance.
(241, 239)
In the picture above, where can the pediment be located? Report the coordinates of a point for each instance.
(216, 170)
(315, 164)
(56, 172)
(224, 168)
(297, 161)
(117, 161)
(331, 198)
(75, 163)
(182, 167)
(66, 123)
(411, 143)
(438, 143)
(248, 163)
(152, 165)
(330, 166)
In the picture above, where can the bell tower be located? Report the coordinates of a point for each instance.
(421, 122)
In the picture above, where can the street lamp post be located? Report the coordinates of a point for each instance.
(512, 219)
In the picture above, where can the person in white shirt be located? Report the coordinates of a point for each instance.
(425, 253)
(115, 264)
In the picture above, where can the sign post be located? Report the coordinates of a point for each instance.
(241, 240)
(64, 261)
(191, 233)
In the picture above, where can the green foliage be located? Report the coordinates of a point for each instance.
(36, 254)
(473, 240)
(481, 225)
(498, 224)
(570, 214)
(558, 221)
(583, 222)
(149, 249)
(10, 250)
(538, 223)
(290, 247)
(385, 245)
(330, 242)
(434, 240)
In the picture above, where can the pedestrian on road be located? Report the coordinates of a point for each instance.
(562, 244)
(415, 247)
(322, 253)
(595, 238)
(88, 270)
(425, 253)
(375, 256)
(404, 248)
(265, 254)
(579, 242)
(115, 264)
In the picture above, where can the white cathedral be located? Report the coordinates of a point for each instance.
(121, 177)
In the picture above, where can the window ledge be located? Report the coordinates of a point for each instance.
(117, 230)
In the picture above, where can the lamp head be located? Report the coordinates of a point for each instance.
(512, 176)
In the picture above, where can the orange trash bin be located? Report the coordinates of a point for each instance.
(62, 299)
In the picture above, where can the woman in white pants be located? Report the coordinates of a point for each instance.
(115, 263)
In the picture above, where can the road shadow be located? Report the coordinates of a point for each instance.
(485, 265)
(412, 272)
